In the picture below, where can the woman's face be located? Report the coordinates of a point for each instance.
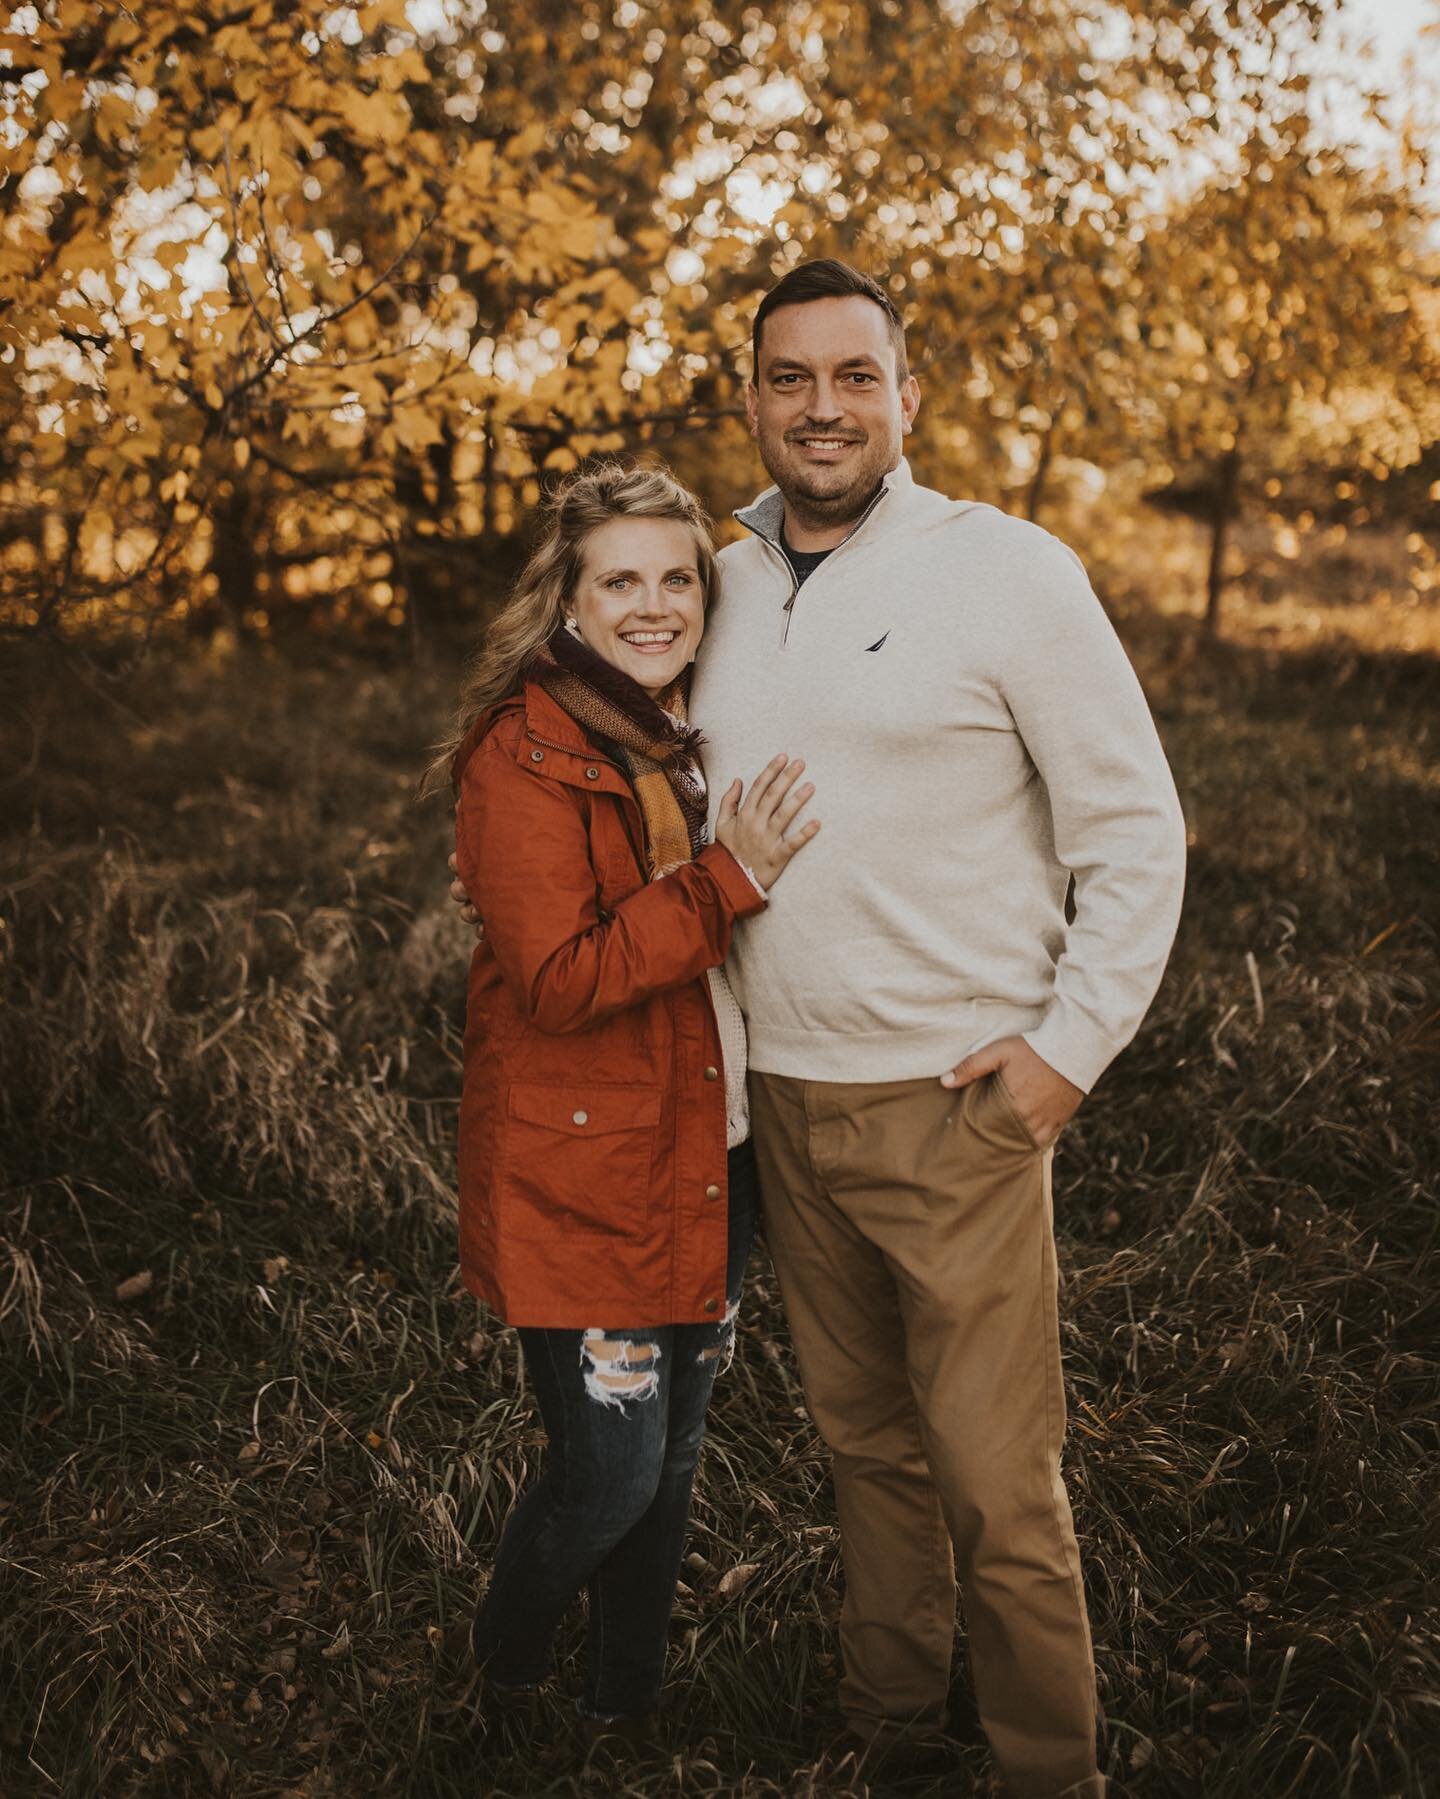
(639, 602)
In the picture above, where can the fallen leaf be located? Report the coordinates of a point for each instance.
(735, 1579)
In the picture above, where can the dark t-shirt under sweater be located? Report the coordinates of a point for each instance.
(803, 562)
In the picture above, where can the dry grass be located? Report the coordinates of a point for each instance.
(261, 1442)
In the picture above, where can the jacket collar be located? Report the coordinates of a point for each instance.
(766, 513)
(547, 719)
(564, 751)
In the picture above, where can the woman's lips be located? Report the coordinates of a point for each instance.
(651, 643)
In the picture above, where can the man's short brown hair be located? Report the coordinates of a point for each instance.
(827, 278)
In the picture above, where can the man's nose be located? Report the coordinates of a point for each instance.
(826, 403)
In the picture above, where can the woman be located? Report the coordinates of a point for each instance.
(606, 1181)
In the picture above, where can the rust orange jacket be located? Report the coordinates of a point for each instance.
(592, 1119)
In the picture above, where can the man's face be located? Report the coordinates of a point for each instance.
(825, 409)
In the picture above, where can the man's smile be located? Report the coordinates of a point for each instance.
(821, 445)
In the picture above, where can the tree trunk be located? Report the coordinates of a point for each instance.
(1227, 485)
(236, 563)
(487, 481)
(1036, 492)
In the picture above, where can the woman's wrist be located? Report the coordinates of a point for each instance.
(751, 876)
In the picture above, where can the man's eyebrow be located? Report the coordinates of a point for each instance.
(784, 364)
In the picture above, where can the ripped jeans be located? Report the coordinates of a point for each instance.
(624, 1411)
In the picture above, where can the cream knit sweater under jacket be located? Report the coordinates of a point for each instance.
(976, 737)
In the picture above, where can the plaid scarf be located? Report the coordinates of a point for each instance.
(649, 739)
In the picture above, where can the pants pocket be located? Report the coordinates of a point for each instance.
(1007, 1100)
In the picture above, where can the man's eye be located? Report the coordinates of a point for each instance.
(865, 380)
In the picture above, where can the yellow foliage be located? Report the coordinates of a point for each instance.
(379, 241)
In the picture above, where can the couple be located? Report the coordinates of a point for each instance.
(931, 984)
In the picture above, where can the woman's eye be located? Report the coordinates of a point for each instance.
(618, 582)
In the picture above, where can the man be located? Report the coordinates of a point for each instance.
(923, 1021)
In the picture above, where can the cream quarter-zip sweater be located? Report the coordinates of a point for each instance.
(976, 737)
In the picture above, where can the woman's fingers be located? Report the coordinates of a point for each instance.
(790, 804)
(729, 802)
(780, 780)
(760, 786)
(789, 845)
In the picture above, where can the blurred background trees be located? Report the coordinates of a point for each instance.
(301, 303)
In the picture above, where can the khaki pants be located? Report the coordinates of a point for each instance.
(911, 1232)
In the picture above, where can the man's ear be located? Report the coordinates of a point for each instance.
(752, 408)
(909, 404)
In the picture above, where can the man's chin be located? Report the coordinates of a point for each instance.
(838, 497)
(822, 486)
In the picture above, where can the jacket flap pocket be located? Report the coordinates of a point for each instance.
(585, 1111)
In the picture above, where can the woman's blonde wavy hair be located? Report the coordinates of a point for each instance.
(579, 505)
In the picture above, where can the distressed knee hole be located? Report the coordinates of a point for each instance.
(601, 1348)
(617, 1370)
(630, 1382)
(723, 1350)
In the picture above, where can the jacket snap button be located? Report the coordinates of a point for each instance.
(537, 755)
(580, 1118)
(592, 774)
(712, 1193)
(712, 1074)
(712, 1305)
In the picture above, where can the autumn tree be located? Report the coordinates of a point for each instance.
(1285, 327)
(299, 302)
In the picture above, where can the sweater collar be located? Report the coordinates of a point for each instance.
(766, 513)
